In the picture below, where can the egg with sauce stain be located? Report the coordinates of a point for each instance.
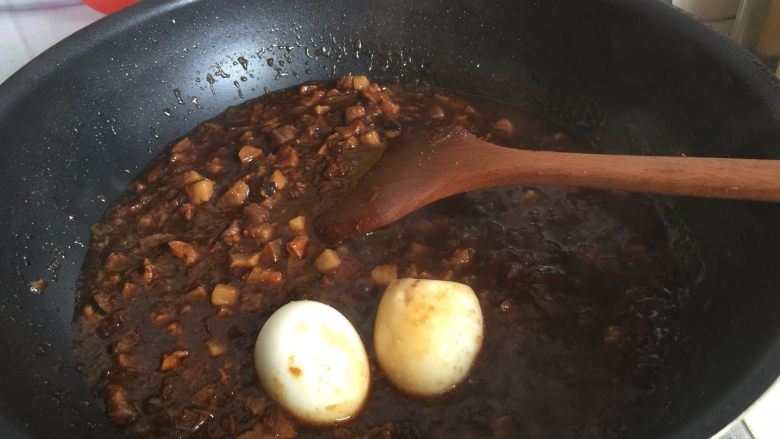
(311, 360)
(427, 334)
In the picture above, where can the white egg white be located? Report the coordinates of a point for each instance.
(427, 334)
(311, 360)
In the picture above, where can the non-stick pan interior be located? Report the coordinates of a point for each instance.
(79, 122)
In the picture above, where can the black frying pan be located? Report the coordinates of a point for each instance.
(635, 76)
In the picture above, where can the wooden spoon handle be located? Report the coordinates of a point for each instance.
(745, 179)
(443, 164)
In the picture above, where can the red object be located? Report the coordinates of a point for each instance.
(108, 6)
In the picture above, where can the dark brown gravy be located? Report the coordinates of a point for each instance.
(579, 289)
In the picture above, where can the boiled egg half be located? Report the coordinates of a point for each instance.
(311, 360)
(427, 334)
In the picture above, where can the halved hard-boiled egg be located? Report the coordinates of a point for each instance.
(311, 360)
(427, 334)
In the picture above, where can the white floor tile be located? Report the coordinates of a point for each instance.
(710, 10)
(43, 27)
(763, 418)
(14, 53)
(24, 34)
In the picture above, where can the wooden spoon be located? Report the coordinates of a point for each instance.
(427, 167)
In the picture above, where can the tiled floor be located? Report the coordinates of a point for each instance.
(25, 33)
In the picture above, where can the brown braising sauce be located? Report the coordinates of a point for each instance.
(579, 289)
